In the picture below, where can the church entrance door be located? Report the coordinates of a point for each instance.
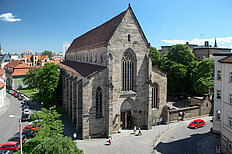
(127, 114)
(126, 120)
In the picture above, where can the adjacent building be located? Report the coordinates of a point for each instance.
(108, 80)
(15, 71)
(39, 60)
(4, 59)
(2, 88)
(207, 51)
(165, 49)
(222, 122)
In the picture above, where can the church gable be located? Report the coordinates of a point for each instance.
(129, 31)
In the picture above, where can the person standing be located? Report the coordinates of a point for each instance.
(140, 133)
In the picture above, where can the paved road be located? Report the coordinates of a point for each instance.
(10, 126)
(183, 140)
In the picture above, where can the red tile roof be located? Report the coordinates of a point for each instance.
(17, 64)
(2, 84)
(83, 69)
(226, 60)
(19, 72)
(99, 35)
(1, 72)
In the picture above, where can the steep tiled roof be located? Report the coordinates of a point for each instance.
(20, 72)
(99, 35)
(1, 72)
(83, 69)
(2, 84)
(42, 57)
(17, 64)
(226, 60)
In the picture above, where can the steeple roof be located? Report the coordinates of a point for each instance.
(215, 44)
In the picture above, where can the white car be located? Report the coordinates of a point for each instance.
(26, 111)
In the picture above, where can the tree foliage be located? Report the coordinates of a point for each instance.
(58, 144)
(32, 77)
(203, 76)
(176, 63)
(50, 138)
(156, 57)
(49, 53)
(48, 80)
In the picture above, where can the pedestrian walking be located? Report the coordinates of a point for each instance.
(134, 129)
(140, 133)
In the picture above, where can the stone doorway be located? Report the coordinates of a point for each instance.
(126, 115)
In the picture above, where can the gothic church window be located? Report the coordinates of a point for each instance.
(128, 70)
(155, 94)
(98, 102)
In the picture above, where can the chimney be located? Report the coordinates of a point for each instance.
(206, 43)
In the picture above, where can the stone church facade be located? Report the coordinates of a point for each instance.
(108, 79)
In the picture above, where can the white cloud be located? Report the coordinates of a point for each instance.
(9, 17)
(225, 42)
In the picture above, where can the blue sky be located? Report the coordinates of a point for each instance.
(46, 24)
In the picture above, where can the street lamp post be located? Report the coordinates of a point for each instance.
(20, 131)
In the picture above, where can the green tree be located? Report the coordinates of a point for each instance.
(156, 57)
(58, 144)
(31, 79)
(176, 63)
(48, 81)
(49, 53)
(203, 77)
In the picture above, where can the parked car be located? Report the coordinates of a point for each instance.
(21, 97)
(16, 138)
(11, 92)
(6, 151)
(28, 133)
(25, 107)
(26, 111)
(197, 123)
(16, 95)
(10, 146)
(36, 122)
(15, 92)
(25, 117)
(31, 127)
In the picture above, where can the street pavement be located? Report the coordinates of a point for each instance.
(10, 126)
(159, 139)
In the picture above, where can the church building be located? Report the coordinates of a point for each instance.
(108, 80)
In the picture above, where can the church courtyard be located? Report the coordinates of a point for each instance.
(127, 142)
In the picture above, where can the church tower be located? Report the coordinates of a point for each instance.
(1, 50)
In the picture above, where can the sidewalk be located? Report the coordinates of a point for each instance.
(5, 107)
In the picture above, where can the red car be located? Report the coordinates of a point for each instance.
(31, 127)
(10, 146)
(197, 123)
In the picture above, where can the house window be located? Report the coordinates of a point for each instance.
(128, 37)
(230, 99)
(218, 116)
(230, 77)
(230, 121)
(218, 94)
(128, 70)
(219, 75)
(98, 102)
(155, 93)
(229, 145)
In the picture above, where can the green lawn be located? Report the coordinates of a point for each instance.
(28, 92)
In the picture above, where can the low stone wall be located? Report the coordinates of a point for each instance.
(184, 113)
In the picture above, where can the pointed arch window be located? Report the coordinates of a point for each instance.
(128, 70)
(98, 102)
(155, 96)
